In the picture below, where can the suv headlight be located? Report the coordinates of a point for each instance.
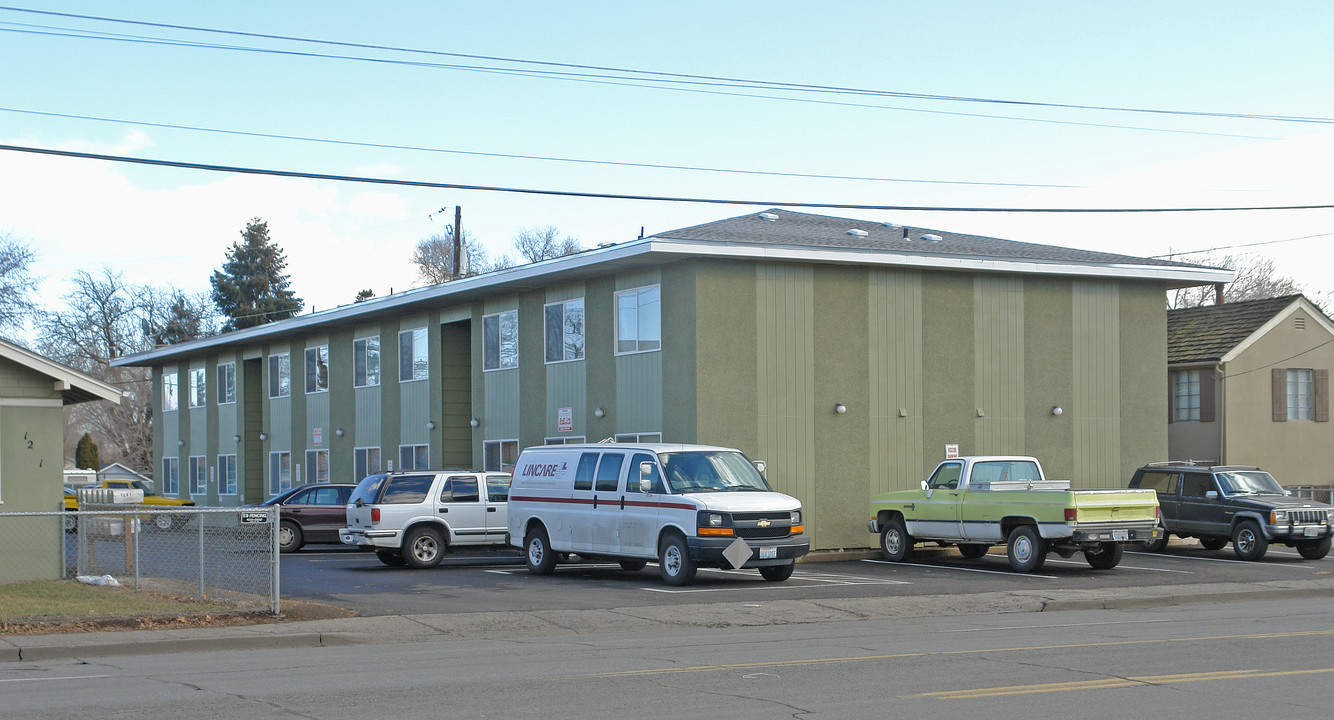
(1329, 516)
(1278, 517)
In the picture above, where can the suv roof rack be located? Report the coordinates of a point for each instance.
(1192, 463)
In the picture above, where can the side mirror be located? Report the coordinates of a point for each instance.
(645, 476)
(761, 466)
(645, 485)
(924, 486)
(1211, 495)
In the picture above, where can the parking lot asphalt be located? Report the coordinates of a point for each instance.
(489, 594)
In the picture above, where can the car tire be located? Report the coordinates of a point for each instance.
(1213, 543)
(777, 573)
(1025, 549)
(633, 565)
(289, 537)
(71, 523)
(674, 562)
(1315, 549)
(973, 551)
(392, 558)
(895, 542)
(1107, 558)
(423, 547)
(163, 521)
(1154, 546)
(538, 555)
(1248, 542)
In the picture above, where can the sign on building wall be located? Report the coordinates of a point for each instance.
(565, 419)
(318, 437)
(951, 450)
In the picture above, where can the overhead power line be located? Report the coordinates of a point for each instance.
(619, 196)
(688, 76)
(1242, 245)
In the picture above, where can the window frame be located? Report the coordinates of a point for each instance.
(227, 480)
(197, 472)
(501, 445)
(561, 440)
(313, 472)
(313, 379)
(280, 364)
(425, 449)
(171, 475)
(501, 356)
(564, 330)
(171, 401)
(638, 292)
(197, 392)
(361, 377)
(275, 472)
(1187, 379)
(639, 438)
(227, 383)
(1295, 384)
(413, 365)
(364, 452)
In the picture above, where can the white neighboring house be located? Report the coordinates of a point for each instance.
(117, 471)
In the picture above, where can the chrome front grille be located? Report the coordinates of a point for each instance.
(1306, 517)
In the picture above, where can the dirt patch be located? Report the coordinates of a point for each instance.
(292, 611)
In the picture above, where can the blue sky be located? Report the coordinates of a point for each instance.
(174, 225)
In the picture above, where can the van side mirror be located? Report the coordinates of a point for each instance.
(645, 477)
(761, 466)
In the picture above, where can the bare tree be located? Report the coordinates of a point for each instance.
(538, 244)
(1256, 279)
(16, 284)
(434, 258)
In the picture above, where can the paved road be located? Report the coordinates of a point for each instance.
(496, 580)
(1225, 660)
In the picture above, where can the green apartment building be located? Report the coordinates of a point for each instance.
(847, 354)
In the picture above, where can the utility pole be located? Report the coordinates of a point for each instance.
(458, 241)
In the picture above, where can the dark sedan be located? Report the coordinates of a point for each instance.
(310, 514)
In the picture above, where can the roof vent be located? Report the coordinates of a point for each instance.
(892, 226)
(606, 244)
(931, 238)
(857, 233)
(768, 216)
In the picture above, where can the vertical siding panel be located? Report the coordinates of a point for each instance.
(1097, 384)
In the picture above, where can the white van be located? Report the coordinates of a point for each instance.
(610, 501)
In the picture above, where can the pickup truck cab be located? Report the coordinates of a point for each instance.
(162, 521)
(978, 502)
(1218, 503)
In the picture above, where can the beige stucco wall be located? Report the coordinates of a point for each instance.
(31, 463)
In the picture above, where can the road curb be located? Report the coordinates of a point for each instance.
(1134, 603)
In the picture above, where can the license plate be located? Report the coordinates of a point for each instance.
(768, 553)
(1121, 535)
(1311, 531)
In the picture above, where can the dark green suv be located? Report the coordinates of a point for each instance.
(1246, 505)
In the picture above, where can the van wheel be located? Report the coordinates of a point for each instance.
(539, 557)
(895, 542)
(777, 573)
(1026, 550)
(289, 537)
(423, 548)
(392, 558)
(1315, 549)
(1106, 559)
(973, 551)
(633, 565)
(1248, 542)
(674, 563)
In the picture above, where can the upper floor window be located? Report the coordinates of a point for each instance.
(1300, 394)
(565, 331)
(317, 369)
(500, 340)
(414, 457)
(198, 393)
(638, 320)
(280, 375)
(412, 362)
(169, 387)
(1186, 396)
(366, 362)
(226, 383)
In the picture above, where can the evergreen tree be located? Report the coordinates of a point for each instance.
(251, 288)
(86, 455)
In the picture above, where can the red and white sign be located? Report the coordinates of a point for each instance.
(564, 419)
(319, 437)
(951, 450)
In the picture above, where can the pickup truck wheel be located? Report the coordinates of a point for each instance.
(423, 547)
(1248, 542)
(973, 551)
(633, 565)
(777, 573)
(538, 555)
(1026, 549)
(392, 558)
(674, 563)
(289, 537)
(1213, 543)
(1158, 545)
(1108, 558)
(895, 542)
(1315, 549)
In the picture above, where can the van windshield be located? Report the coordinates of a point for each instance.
(711, 471)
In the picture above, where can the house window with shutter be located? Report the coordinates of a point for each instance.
(1186, 396)
(1300, 394)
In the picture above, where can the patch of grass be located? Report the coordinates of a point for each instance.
(73, 600)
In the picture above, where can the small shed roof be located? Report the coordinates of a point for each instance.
(74, 386)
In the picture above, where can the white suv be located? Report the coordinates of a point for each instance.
(414, 517)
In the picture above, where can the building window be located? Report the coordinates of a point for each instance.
(1300, 394)
(414, 457)
(365, 461)
(198, 391)
(564, 440)
(168, 391)
(280, 472)
(643, 437)
(500, 340)
(198, 472)
(280, 375)
(366, 362)
(226, 474)
(226, 383)
(1186, 396)
(412, 362)
(499, 455)
(171, 476)
(565, 331)
(638, 321)
(317, 369)
(317, 466)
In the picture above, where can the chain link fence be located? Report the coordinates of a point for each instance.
(135, 560)
(1318, 493)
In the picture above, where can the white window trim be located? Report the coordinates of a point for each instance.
(376, 338)
(222, 485)
(414, 447)
(176, 384)
(222, 385)
(194, 392)
(274, 484)
(501, 442)
(312, 475)
(427, 341)
(639, 437)
(562, 440)
(499, 354)
(318, 389)
(579, 300)
(380, 469)
(200, 462)
(268, 369)
(167, 490)
(1294, 382)
(616, 320)
(1182, 378)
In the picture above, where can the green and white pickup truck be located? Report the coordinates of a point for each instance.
(978, 502)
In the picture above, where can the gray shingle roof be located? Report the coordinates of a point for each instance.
(795, 229)
(1206, 334)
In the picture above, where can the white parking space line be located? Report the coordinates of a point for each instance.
(961, 569)
(70, 677)
(1258, 563)
(828, 579)
(1124, 567)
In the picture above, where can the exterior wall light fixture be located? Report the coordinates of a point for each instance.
(263, 437)
(430, 424)
(181, 443)
(840, 408)
(1056, 410)
(474, 422)
(236, 438)
(339, 432)
(600, 412)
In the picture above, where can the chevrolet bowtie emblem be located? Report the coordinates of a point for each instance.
(763, 523)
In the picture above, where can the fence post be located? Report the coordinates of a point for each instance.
(274, 603)
(199, 520)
